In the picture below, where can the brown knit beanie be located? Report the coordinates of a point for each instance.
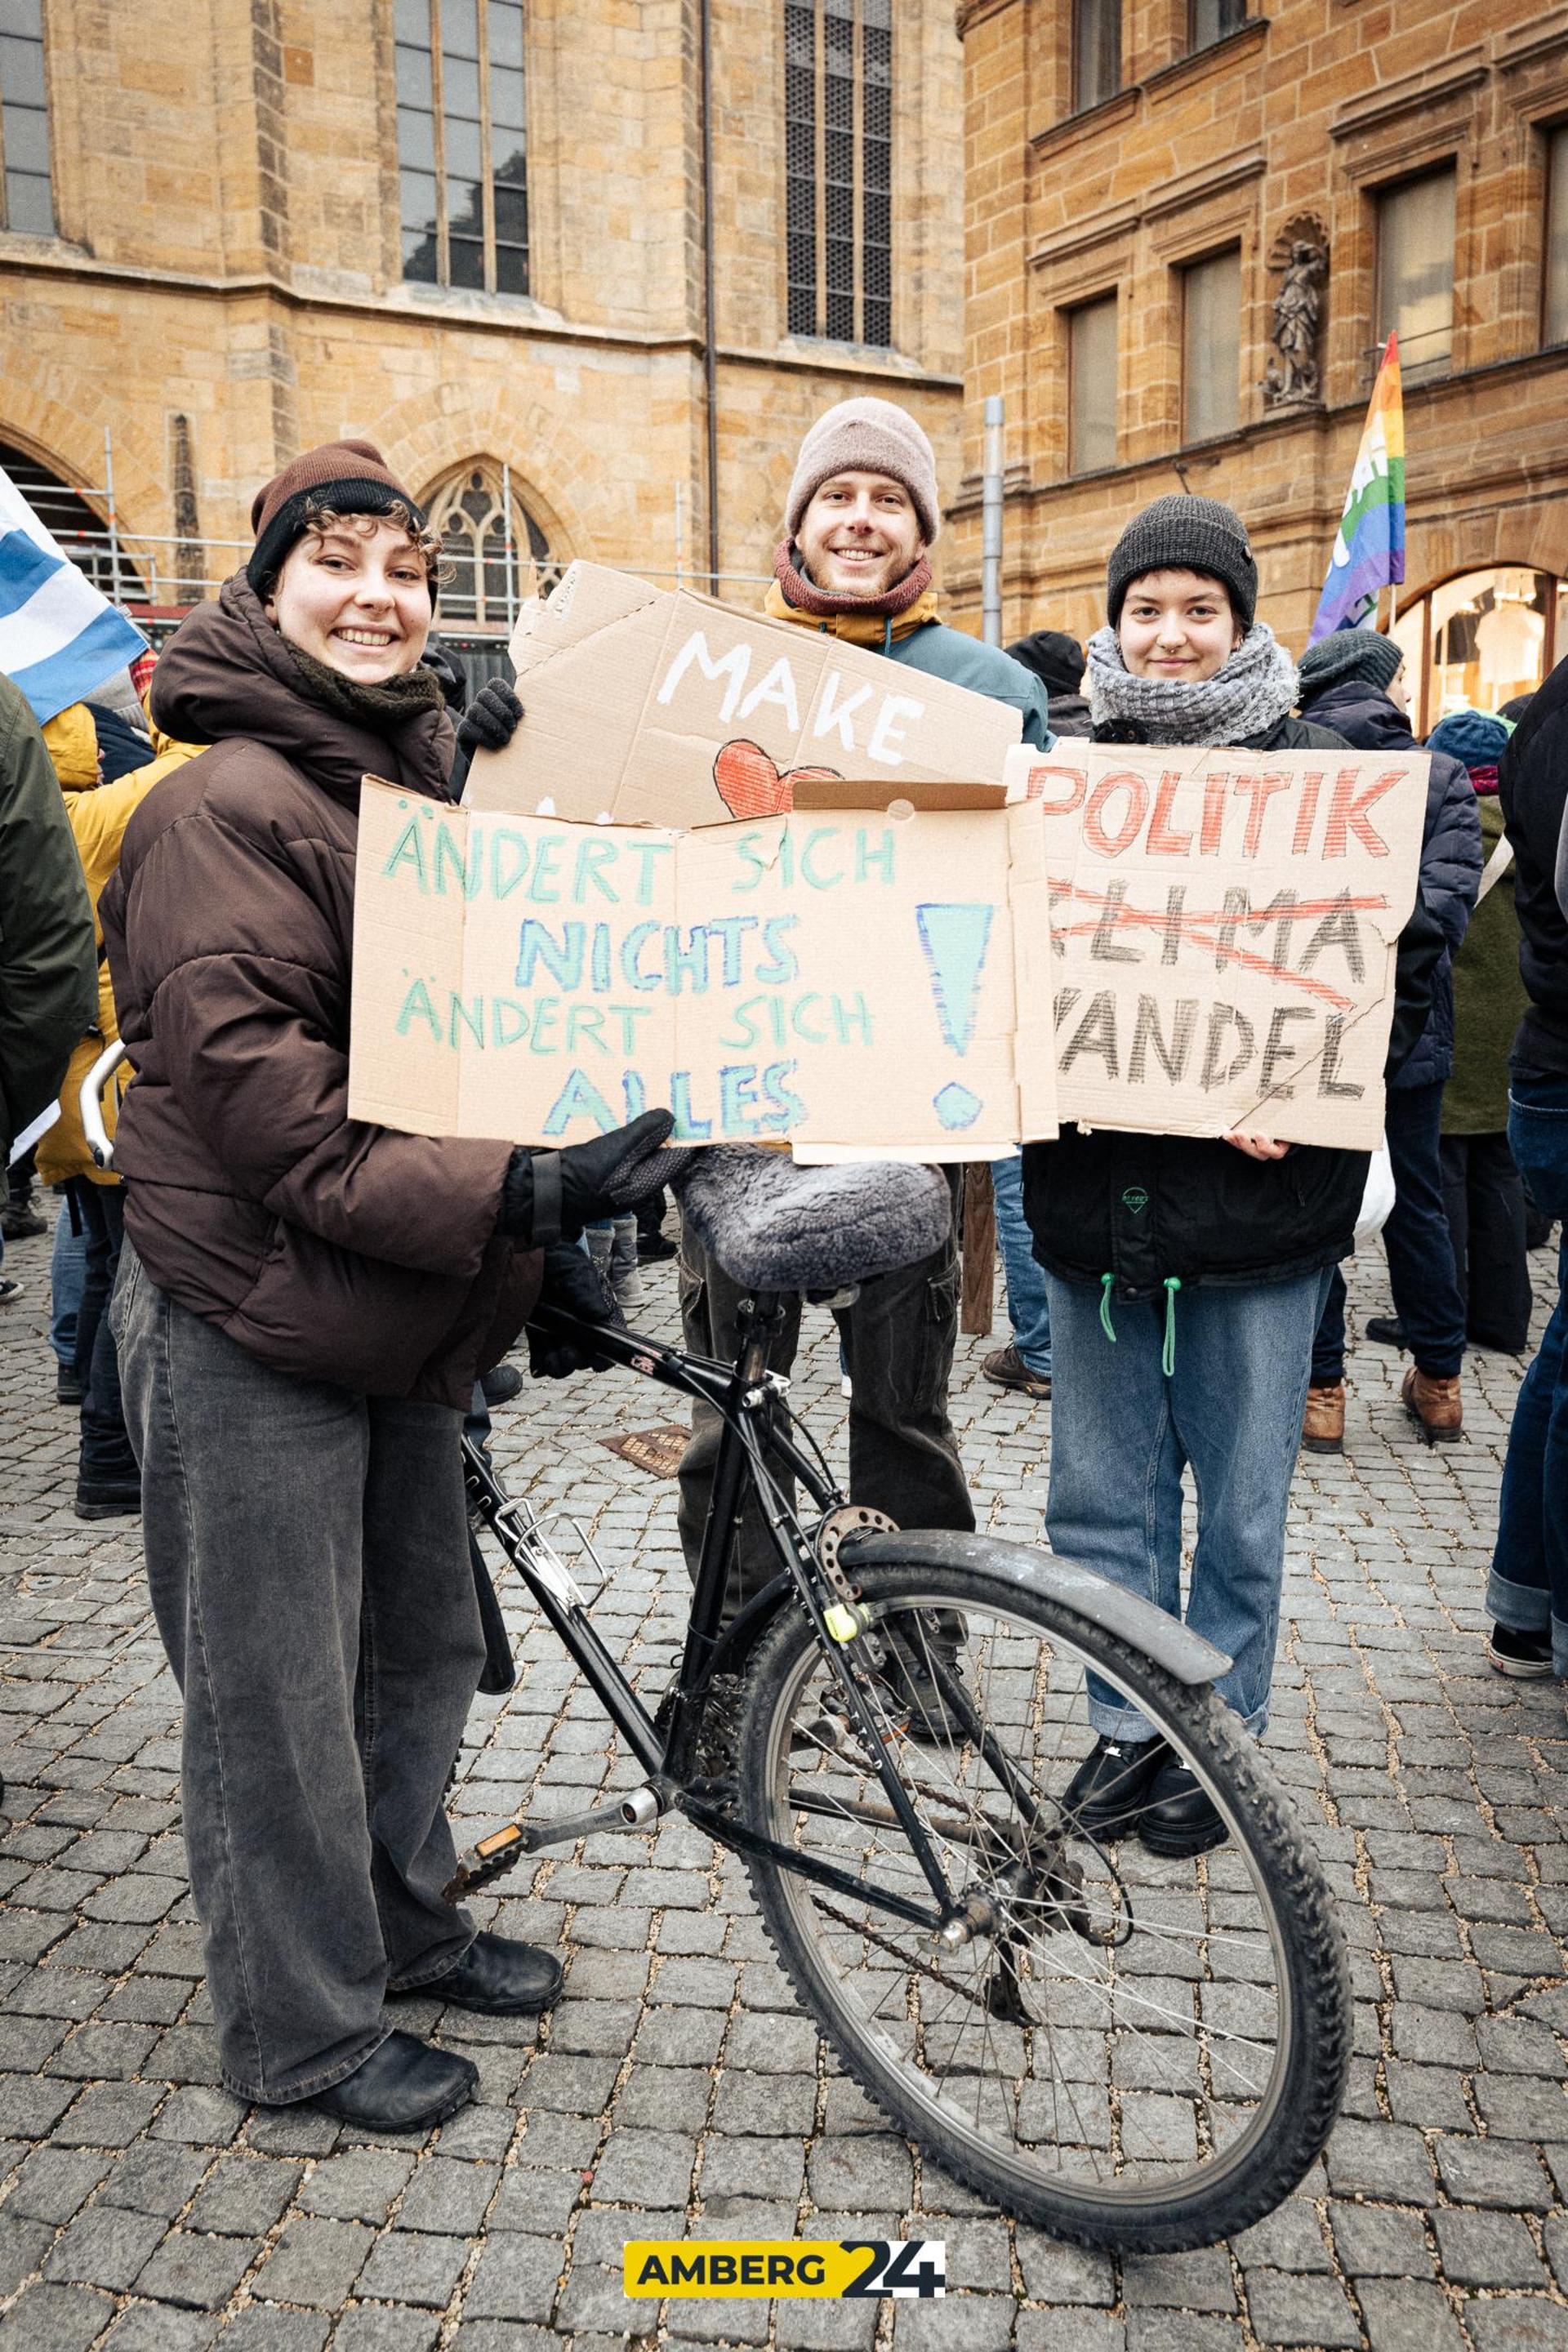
(866, 436)
(349, 476)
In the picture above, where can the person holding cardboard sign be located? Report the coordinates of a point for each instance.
(861, 515)
(1185, 1274)
(305, 1302)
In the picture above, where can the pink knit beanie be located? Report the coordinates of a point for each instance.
(866, 436)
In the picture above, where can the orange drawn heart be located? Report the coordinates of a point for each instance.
(749, 784)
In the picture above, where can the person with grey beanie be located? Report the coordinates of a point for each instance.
(1186, 1273)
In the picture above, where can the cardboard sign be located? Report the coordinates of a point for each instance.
(837, 979)
(1223, 933)
(652, 709)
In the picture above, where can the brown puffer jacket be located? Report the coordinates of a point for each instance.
(331, 1249)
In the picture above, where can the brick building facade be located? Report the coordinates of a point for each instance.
(208, 246)
(1139, 177)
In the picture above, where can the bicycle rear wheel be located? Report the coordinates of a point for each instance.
(1132, 2052)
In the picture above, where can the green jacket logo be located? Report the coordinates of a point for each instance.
(1136, 1199)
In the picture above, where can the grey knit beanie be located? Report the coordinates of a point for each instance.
(1184, 534)
(866, 436)
(1346, 654)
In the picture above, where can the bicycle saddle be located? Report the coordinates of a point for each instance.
(776, 1226)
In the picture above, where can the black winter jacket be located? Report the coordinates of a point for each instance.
(1451, 858)
(1532, 785)
(1144, 1208)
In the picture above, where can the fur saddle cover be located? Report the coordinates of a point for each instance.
(776, 1226)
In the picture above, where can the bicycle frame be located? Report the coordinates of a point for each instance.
(747, 1396)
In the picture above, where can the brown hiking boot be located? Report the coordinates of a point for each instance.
(1009, 1371)
(1323, 1424)
(1435, 1406)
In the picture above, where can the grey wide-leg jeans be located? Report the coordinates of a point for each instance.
(306, 1552)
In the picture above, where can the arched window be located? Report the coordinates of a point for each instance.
(1475, 642)
(486, 566)
(82, 533)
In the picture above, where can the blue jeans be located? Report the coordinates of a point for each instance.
(1122, 1430)
(1528, 1588)
(1029, 1309)
(67, 1268)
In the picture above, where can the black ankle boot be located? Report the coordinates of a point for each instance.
(1107, 1794)
(403, 2085)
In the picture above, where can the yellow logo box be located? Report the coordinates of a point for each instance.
(915, 2268)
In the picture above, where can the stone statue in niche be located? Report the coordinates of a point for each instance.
(1294, 379)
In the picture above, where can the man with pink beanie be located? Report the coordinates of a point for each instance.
(861, 514)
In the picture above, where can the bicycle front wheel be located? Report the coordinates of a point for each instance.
(1129, 2050)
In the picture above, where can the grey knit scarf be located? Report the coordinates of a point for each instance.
(1247, 696)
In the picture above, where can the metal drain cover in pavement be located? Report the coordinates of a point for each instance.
(657, 1451)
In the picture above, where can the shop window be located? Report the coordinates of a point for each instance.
(1473, 643)
(1554, 290)
(1416, 273)
(1210, 20)
(26, 199)
(1096, 52)
(462, 143)
(1211, 346)
(484, 567)
(1091, 386)
(838, 169)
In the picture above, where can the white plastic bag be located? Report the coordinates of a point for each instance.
(1377, 1199)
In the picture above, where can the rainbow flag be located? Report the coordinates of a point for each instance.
(1369, 546)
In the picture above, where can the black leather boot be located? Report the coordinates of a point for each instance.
(403, 2086)
(498, 1977)
(1180, 1820)
(1107, 1794)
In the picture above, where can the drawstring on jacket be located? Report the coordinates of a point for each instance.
(1168, 1353)
(1106, 1324)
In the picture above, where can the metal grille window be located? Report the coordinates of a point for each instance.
(1210, 20)
(26, 201)
(462, 143)
(1096, 52)
(838, 147)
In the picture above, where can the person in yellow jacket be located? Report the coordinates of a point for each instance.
(107, 1485)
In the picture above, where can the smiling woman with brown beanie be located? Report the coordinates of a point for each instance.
(304, 1304)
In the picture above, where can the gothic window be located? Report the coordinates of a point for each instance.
(483, 583)
(839, 132)
(1096, 52)
(26, 202)
(462, 143)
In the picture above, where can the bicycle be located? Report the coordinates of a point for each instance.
(1131, 2053)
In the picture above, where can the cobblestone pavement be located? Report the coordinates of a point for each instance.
(675, 2088)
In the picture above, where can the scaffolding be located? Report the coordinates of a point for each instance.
(156, 576)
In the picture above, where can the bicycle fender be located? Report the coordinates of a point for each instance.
(1182, 1653)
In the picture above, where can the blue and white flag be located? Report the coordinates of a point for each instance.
(59, 636)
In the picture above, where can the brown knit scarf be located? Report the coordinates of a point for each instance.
(384, 709)
(806, 598)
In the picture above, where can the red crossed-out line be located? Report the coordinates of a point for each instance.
(1197, 930)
